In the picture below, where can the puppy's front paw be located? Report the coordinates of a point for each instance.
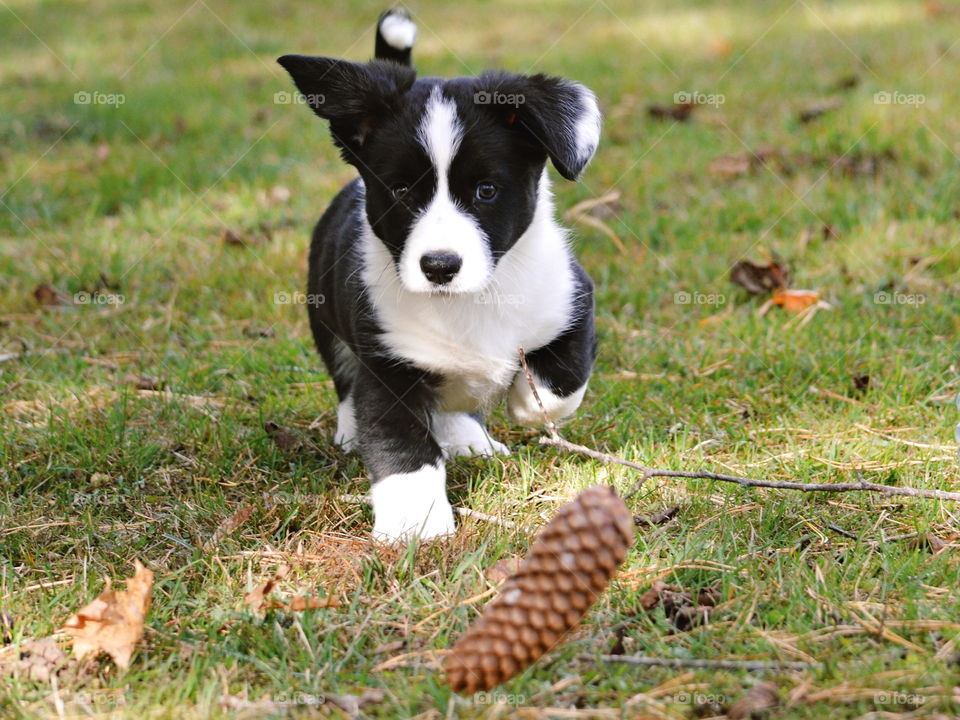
(524, 410)
(459, 434)
(407, 505)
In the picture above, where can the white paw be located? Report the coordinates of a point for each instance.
(407, 505)
(461, 434)
(346, 435)
(524, 410)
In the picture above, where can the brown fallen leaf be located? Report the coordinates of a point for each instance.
(657, 518)
(502, 569)
(48, 296)
(812, 112)
(759, 279)
(930, 543)
(144, 382)
(761, 697)
(228, 526)
(256, 598)
(680, 606)
(299, 604)
(678, 111)
(795, 301)
(286, 439)
(114, 621)
(861, 383)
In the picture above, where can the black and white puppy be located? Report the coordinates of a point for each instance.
(440, 261)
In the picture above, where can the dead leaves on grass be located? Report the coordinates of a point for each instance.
(772, 279)
(682, 608)
(258, 599)
(113, 623)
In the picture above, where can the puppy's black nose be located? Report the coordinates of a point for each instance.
(440, 267)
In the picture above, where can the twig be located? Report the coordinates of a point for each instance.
(703, 664)
(547, 422)
(649, 472)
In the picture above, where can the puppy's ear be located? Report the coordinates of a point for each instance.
(355, 98)
(560, 115)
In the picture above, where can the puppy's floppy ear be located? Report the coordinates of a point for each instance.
(560, 115)
(355, 98)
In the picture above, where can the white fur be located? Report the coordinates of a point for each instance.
(472, 338)
(412, 504)
(523, 407)
(346, 435)
(399, 31)
(443, 226)
(461, 434)
(587, 130)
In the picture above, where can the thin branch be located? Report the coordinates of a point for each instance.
(547, 421)
(555, 440)
(649, 472)
(698, 663)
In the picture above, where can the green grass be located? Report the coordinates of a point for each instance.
(94, 473)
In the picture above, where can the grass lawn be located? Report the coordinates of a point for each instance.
(163, 214)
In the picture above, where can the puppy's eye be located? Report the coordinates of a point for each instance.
(399, 191)
(486, 191)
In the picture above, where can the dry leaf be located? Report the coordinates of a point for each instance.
(144, 382)
(761, 697)
(113, 622)
(49, 296)
(228, 526)
(256, 597)
(814, 111)
(658, 518)
(759, 279)
(795, 301)
(678, 111)
(286, 439)
(299, 604)
(680, 606)
(502, 569)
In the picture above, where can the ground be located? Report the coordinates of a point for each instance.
(158, 184)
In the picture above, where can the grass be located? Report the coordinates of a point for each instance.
(134, 199)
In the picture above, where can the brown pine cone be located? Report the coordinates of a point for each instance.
(568, 567)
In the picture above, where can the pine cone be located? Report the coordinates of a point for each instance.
(569, 565)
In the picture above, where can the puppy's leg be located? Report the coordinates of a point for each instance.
(460, 433)
(393, 404)
(560, 369)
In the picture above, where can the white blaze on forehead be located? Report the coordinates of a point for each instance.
(440, 133)
(444, 226)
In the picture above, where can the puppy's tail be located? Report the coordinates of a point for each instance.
(396, 33)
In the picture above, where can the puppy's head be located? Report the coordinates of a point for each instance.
(451, 167)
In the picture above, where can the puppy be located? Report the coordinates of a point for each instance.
(441, 260)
